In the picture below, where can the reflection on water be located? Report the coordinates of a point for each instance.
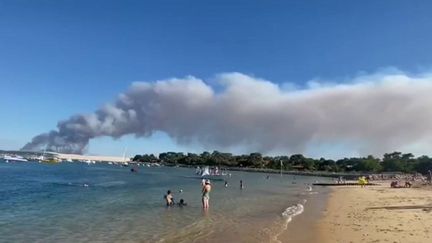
(78, 202)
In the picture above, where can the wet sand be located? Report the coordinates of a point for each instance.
(303, 227)
(377, 214)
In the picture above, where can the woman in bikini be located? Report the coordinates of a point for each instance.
(206, 194)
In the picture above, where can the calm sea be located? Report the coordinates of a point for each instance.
(76, 202)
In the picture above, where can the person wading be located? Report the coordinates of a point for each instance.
(206, 194)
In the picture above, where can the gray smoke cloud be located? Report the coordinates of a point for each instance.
(370, 114)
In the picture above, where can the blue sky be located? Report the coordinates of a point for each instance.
(59, 58)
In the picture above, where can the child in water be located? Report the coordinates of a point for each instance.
(182, 203)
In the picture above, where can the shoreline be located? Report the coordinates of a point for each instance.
(304, 227)
(377, 214)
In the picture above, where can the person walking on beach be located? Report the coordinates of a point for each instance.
(206, 194)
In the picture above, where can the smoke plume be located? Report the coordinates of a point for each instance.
(370, 113)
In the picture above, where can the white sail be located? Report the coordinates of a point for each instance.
(205, 171)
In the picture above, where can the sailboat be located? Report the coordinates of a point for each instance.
(45, 159)
(125, 163)
(214, 174)
(42, 157)
(205, 172)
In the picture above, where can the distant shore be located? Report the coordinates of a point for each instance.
(301, 173)
(377, 214)
(345, 175)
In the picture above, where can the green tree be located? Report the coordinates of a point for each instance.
(369, 164)
(256, 160)
(423, 164)
(393, 162)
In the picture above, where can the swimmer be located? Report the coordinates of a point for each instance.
(226, 183)
(182, 203)
(181, 191)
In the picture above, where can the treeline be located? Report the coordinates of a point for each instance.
(391, 162)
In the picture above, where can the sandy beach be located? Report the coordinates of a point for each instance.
(377, 214)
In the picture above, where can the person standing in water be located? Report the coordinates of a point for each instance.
(169, 198)
(206, 194)
(241, 184)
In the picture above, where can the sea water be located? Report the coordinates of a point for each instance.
(76, 202)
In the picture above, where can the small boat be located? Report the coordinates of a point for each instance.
(50, 161)
(10, 158)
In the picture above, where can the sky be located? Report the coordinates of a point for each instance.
(63, 58)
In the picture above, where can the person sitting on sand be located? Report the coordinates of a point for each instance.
(182, 203)
(408, 184)
(169, 198)
(395, 184)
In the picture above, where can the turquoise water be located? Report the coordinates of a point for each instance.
(76, 202)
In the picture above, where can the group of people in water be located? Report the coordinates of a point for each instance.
(205, 195)
(206, 188)
(169, 199)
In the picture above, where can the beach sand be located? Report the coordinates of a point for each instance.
(377, 214)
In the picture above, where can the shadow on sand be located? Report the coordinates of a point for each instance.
(427, 208)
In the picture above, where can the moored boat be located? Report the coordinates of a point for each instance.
(17, 158)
